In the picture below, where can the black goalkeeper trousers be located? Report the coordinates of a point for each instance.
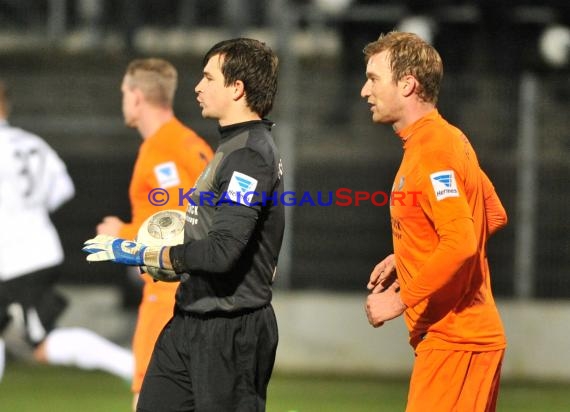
(211, 364)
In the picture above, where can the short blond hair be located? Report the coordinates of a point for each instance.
(156, 78)
(409, 54)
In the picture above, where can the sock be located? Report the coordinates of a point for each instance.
(2, 358)
(87, 350)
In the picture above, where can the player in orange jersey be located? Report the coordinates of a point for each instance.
(172, 156)
(438, 276)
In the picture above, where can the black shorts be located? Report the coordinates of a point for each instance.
(41, 304)
(211, 364)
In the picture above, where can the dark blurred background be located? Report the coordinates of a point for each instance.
(506, 85)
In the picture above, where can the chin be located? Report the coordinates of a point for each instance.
(207, 115)
(376, 118)
(130, 123)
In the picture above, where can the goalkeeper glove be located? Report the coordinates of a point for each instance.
(108, 248)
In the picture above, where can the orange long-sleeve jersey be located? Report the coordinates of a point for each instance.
(440, 240)
(171, 159)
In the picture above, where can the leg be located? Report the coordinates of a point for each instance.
(266, 351)
(167, 385)
(154, 313)
(210, 365)
(86, 350)
(481, 386)
(4, 321)
(454, 381)
(431, 385)
(2, 358)
(232, 360)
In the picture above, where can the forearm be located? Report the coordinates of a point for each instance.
(457, 245)
(495, 213)
(213, 255)
(221, 249)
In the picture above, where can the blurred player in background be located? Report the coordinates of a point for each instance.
(438, 275)
(171, 156)
(33, 183)
(217, 352)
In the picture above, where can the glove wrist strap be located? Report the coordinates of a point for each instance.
(152, 256)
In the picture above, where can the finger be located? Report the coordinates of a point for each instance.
(103, 239)
(373, 322)
(377, 271)
(373, 284)
(388, 278)
(379, 288)
(100, 257)
(395, 286)
(368, 309)
(376, 274)
(93, 248)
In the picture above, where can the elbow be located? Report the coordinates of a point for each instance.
(504, 220)
(224, 257)
(462, 243)
(224, 265)
(469, 247)
(500, 222)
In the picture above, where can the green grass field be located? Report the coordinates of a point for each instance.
(28, 388)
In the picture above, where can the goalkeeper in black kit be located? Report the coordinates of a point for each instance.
(217, 352)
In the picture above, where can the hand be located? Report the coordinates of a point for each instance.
(383, 275)
(163, 275)
(109, 248)
(381, 307)
(111, 225)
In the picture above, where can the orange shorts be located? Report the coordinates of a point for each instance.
(455, 381)
(155, 311)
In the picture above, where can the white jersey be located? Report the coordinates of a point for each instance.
(33, 182)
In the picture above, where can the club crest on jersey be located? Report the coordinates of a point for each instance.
(167, 175)
(444, 184)
(241, 188)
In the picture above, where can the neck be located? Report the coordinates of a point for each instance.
(238, 116)
(152, 120)
(412, 114)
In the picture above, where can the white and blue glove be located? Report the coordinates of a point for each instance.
(108, 248)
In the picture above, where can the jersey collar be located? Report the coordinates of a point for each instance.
(231, 130)
(407, 132)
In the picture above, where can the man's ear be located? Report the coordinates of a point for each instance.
(408, 85)
(139, 96)
(239, 90)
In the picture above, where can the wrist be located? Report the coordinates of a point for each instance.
(152, 256)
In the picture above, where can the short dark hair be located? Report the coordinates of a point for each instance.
(255, 64)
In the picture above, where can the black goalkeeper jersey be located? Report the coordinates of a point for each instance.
(234, 225)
